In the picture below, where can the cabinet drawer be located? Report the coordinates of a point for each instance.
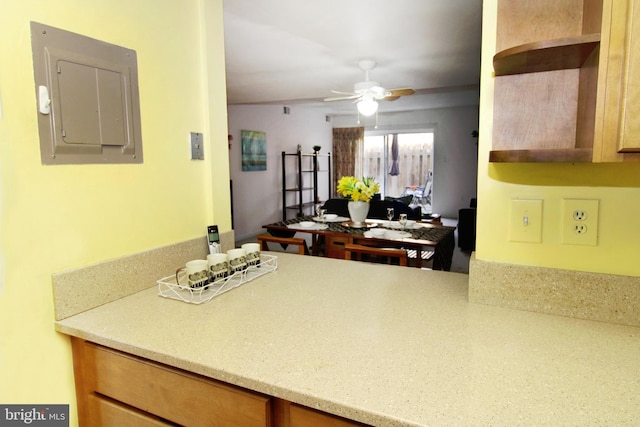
(171, 394)
(300, 416)
(108, 413)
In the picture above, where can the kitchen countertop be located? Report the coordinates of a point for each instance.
(384, 345)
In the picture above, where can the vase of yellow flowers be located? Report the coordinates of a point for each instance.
(360, 192)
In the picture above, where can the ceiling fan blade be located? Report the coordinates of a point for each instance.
(337, 92)
(341, 98)
(394, 94)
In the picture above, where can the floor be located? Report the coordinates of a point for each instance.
(459, 263)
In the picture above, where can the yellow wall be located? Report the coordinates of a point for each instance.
(59, 217)
(617, 186)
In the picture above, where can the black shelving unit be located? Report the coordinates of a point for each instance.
(307, 169)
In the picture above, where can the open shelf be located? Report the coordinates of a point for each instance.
(300, 206)
(548, 55)
(298, 189)
(566, 155)
(546, 83)
(300, 181)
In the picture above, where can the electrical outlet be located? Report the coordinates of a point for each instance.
(580, 222)
(580, 229)
(580, 215)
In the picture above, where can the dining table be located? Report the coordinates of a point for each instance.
(330, 235)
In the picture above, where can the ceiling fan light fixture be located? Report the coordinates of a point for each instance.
(367, 106)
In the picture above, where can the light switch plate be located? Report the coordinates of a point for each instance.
(525, 221)
(197, 151)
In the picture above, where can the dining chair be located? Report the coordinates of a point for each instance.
(375, 254)
(265, 239)
(427, 257)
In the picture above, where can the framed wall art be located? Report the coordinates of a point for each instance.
(254, 150)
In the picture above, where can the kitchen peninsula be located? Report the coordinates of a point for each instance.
(378, 344)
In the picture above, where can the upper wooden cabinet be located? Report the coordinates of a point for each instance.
(563, 87)
(617, 135)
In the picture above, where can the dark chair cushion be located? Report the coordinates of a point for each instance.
(337, 206)
(467, 229)
(379, 210)
(404, 199)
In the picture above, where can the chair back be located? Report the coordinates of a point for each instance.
(375, 254)
(265, 239)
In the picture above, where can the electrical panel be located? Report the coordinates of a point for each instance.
(87, 98)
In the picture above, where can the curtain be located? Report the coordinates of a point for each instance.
(394, 170)
(346, 143)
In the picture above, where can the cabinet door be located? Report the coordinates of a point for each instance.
(618, 127)
(630, 114)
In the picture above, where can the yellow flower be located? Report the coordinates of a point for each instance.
(359, 190)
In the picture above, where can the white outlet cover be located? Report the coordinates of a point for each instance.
(577, 231)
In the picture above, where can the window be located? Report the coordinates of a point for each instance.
(410, 174)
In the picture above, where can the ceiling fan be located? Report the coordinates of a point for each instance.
(368, 93)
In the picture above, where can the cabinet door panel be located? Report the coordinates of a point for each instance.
(630, 138)
(617, 127)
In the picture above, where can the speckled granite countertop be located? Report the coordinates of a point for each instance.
(386, 346)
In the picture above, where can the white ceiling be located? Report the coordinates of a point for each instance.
(292, 51)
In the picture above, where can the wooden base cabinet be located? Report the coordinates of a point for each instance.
(118, 389)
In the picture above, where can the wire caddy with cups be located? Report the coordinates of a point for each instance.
(170, 287)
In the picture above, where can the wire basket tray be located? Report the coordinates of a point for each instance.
(168, 288)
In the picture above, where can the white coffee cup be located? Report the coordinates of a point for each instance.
(252, 251)
(237, 260)
(218, 266)
(197, 273)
